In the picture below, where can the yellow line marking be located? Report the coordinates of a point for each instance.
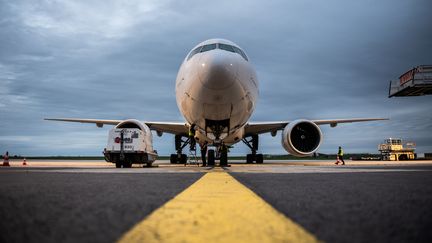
(217, 208)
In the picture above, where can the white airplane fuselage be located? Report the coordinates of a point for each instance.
(217, 90)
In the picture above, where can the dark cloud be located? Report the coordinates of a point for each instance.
(118, 60)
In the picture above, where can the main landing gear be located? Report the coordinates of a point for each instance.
(180, 144)
(252, 143)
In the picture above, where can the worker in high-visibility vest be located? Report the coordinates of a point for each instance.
(192, 137)
(340, 156)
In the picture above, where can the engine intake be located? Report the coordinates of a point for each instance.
(301, 138)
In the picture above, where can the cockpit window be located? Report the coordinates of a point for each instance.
(221, 46)
(226, 47)
(195, 51)
(233, 49)
(239, 51)
(208, 47)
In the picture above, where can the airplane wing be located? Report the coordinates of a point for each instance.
(168, 127)
(264, 127)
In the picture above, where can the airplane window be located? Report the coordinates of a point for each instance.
(233, 49)
(239, 51)
(208, 47)
(226, 47)
(221, 46)
(195, 51)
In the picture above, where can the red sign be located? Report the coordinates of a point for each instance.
(407, 76)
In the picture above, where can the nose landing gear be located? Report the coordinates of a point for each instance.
(221, 153)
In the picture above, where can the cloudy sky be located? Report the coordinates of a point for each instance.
(119, 59)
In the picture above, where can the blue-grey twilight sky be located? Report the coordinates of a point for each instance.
(119, 59)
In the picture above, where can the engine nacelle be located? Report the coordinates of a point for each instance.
(301, 138)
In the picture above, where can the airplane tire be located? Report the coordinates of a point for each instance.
(249, 158)
(224, 159)
(211, 157)
(259, 158)
(127, 164)
(173, 159)
(183, 159)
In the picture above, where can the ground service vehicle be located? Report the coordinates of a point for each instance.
(130, 142)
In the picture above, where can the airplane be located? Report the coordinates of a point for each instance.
(216, 92)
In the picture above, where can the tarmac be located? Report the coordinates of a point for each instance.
(278, 201)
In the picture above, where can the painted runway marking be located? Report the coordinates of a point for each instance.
(217, 208)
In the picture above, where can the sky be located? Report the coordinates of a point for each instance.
(119, 60)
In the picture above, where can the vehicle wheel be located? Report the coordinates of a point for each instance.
(211, 157)
(127, 164)
(118, 164)
(249, 158)
(173, 159)
(259, 158)
(183, 159)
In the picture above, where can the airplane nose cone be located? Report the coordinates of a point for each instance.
(217, 71)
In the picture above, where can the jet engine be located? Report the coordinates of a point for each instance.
(301, 138)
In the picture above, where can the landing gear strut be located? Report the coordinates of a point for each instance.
(180, 144)
(252, 143)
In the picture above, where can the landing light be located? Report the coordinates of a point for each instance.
(203, 64)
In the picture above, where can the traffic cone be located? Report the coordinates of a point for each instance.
(24, 161)
(6, 159)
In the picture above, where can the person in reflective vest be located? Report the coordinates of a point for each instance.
(224, 148)
(340, 156)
